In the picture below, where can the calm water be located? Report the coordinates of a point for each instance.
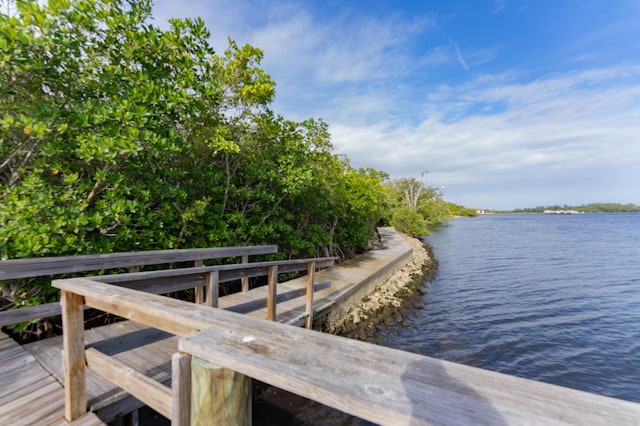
(554, 298)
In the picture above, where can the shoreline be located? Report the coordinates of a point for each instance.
(392, 301)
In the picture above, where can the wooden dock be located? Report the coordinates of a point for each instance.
(168, 352)
(29, 394)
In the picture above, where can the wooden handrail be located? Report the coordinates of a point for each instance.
(379, 384)
(46, 266)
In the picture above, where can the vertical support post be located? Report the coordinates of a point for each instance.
(311, 271)
(272, 293)
(199, 296)
(213, 285)
(75, 391)
(219, 396)
(133, 269)
(245, 280)
(181, 389)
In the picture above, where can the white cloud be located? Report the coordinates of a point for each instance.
(502, 139)
(561, 131)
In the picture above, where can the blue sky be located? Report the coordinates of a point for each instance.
(506, 103)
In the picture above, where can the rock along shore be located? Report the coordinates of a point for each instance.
(397, 297)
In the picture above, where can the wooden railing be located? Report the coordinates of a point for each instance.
(206, 280)
(379, 384)
(47, 266)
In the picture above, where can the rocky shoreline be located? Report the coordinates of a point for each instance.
(396, 298)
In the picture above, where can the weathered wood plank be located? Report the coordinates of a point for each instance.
(379, 384)
(181, 390)
(228, 273)
(213, 288)
(149, 391)
(392, 387)
(272, 286)
(311, 271)
(245, 281)
(16, 316)
(219, 396)
(35, 267)
(74, 361)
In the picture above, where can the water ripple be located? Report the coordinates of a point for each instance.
(547, 297)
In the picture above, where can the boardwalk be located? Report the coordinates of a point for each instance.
(31, 377)
(378, 384)
(29, 395)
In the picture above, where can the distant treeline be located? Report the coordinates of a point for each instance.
(588, 208)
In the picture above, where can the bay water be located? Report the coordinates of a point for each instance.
(554, 298)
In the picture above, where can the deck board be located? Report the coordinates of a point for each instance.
(35, 371)
(29, 394)
(38, 365)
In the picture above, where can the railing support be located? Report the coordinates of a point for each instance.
(272, 292)
(245, 280)
(212, 288)
(219, 396)
(311, 271)
(75, 391)
(199, 294)
(181, 389)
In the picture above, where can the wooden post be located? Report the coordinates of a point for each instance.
(245, 280)
(311, 270)
(181, 389)
(219, 396)
(133, 269)
(272, 293)
(199, 296)
(75, 391)
(213, 284)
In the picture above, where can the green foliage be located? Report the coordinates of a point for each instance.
(414, 207)
(119, 136)
(409, 221)
(457, 210)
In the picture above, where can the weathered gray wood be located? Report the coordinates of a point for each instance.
(149, 391)
(244, 281)
(219, 396)
(167, 281)
(146, 349)
(227, 272)
(379, 384)
(245, 305)
(311, 271)
(181, 389)
(44, 266)
(387, 386)
(74, 361)
(35, 267)
(213, 288)
(200, 290)
(27, 314)
(272, 292)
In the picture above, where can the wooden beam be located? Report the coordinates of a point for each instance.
(181, 389)
(388, 386)
(152, 393)
(311, 270)
(219, 396)
(245, 280)
(199, 290)
(379, 384)
(75, 391)
(272, 292)
(213, 288)
(44, 266)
